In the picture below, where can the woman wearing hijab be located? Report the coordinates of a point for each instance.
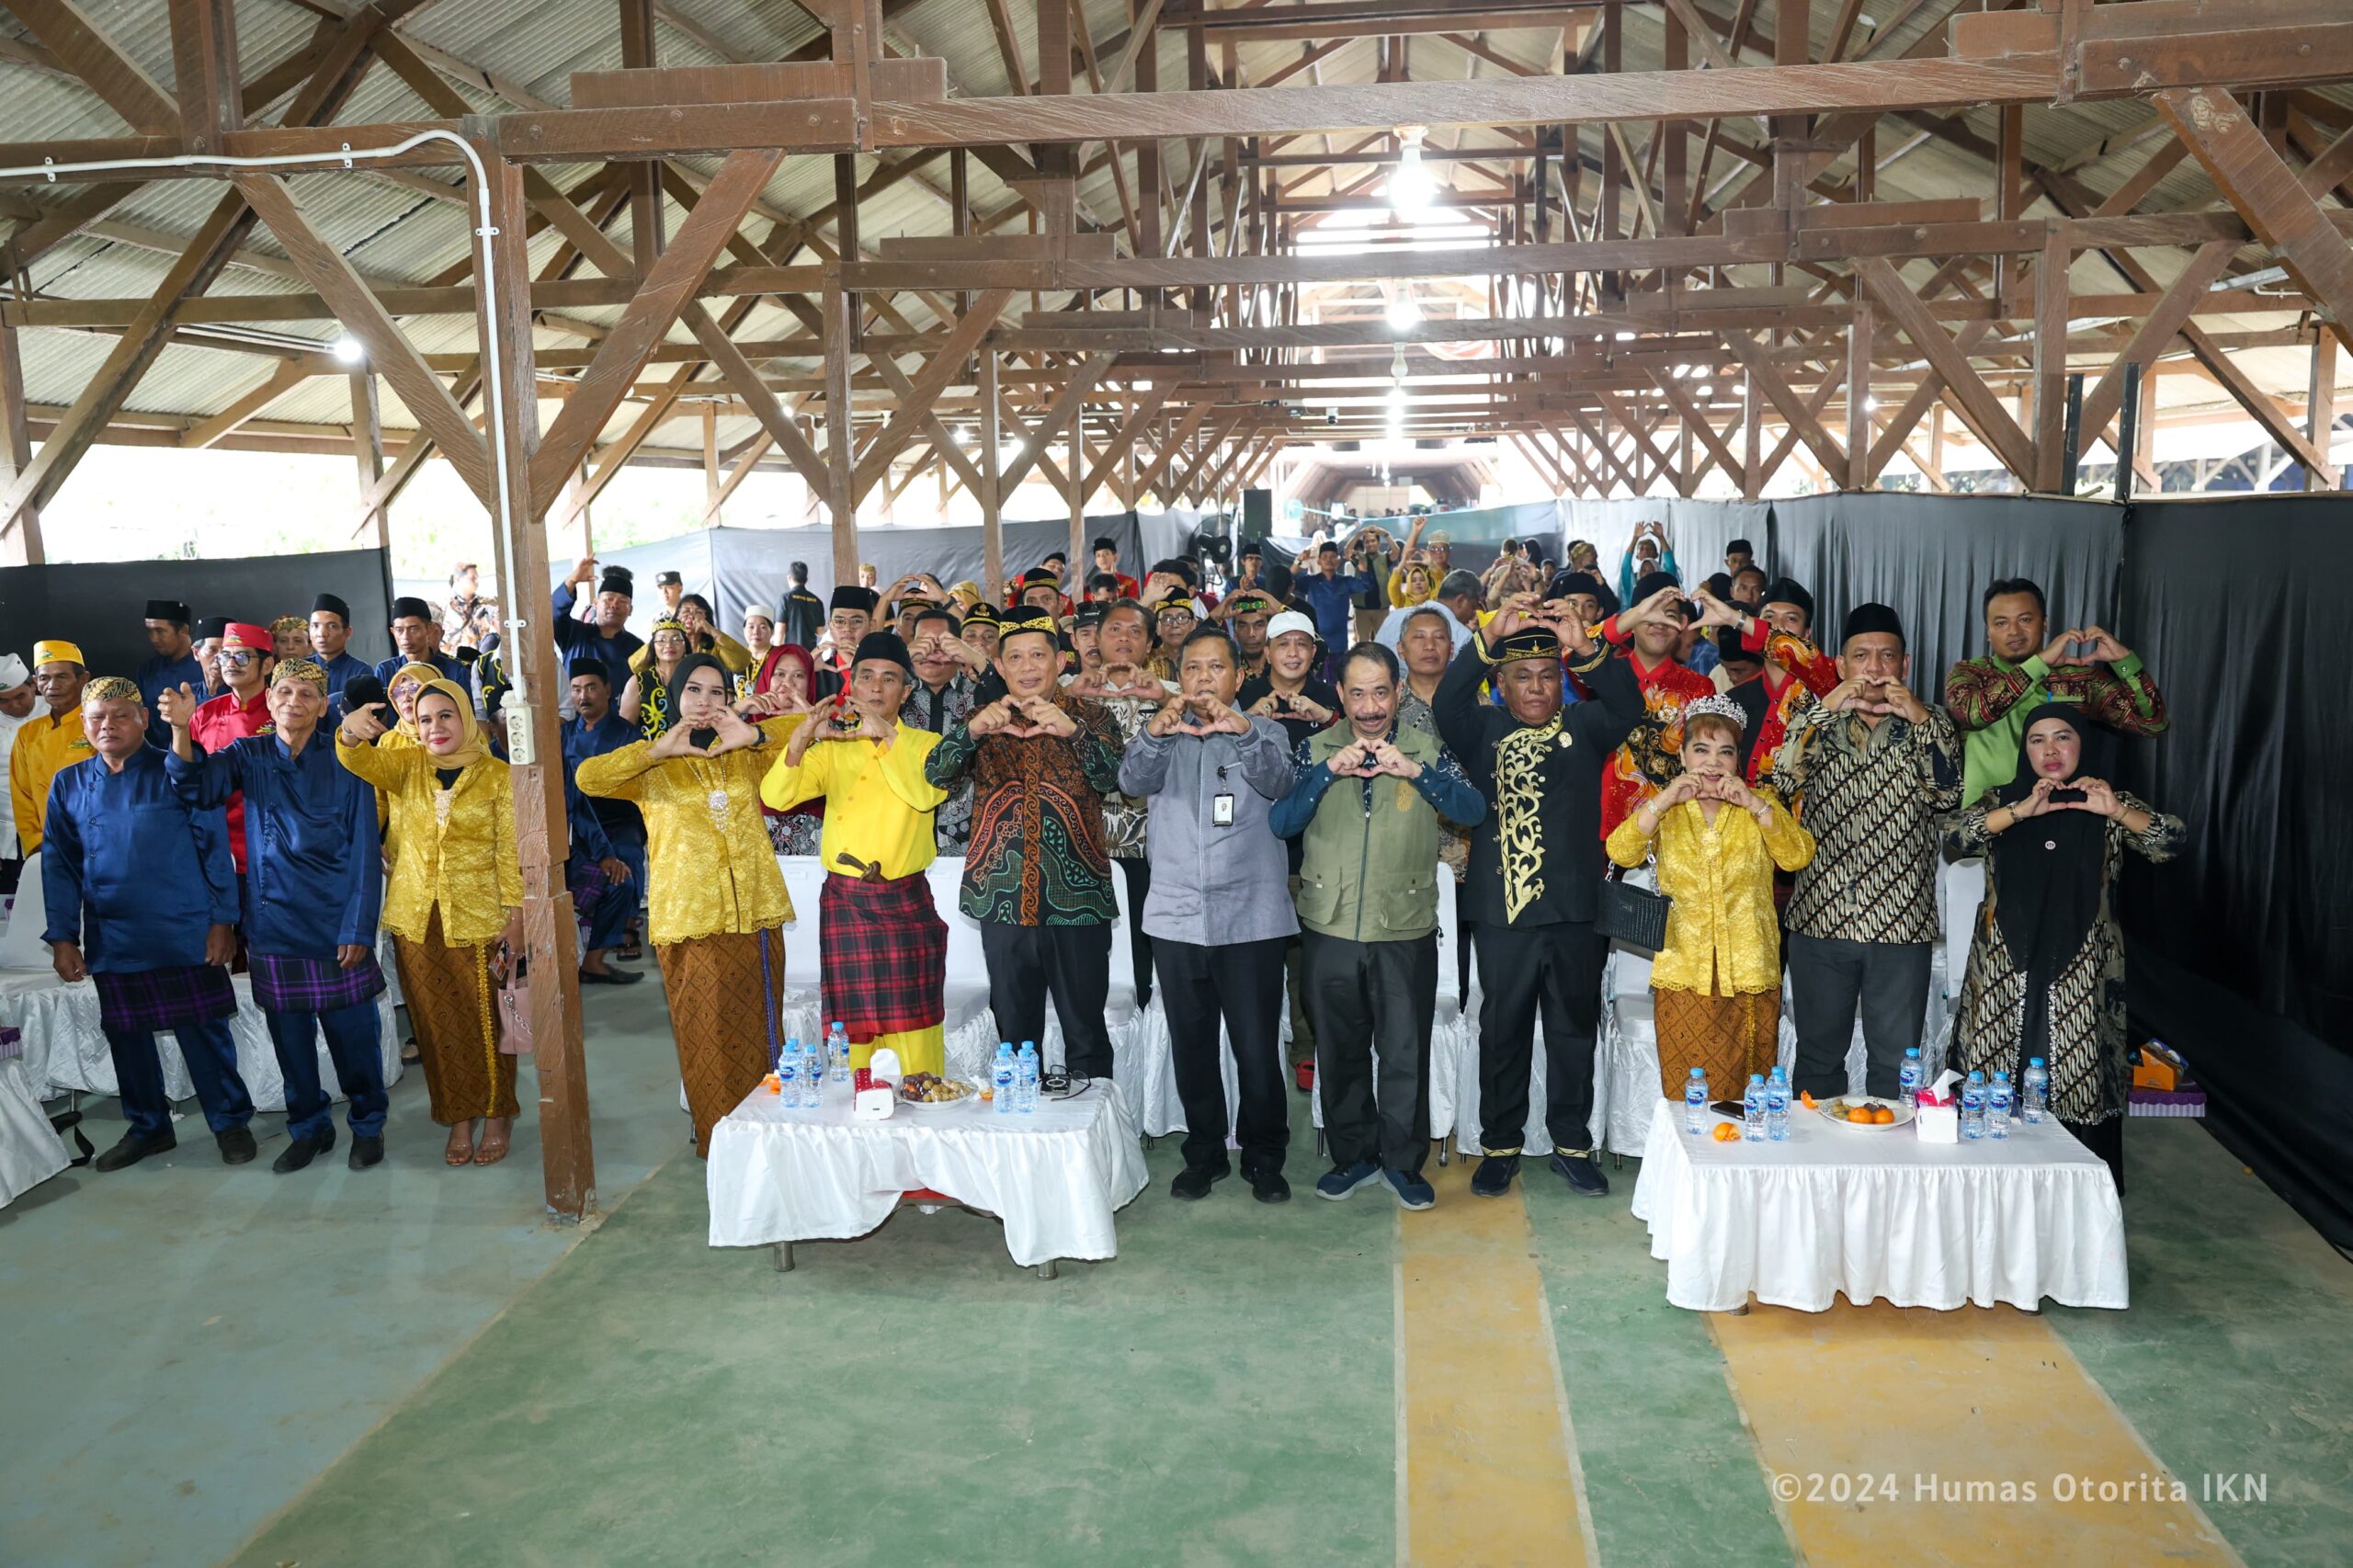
(645, 701)
(1716, 986)
(787, 673)
(454, 904)
(2046, 967)
(717, 900)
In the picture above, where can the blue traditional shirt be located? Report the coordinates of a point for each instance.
(578, 638)
(597, 822)
(130, 872)
(452, 670)
(1331, 600)
(315, 870)
(158, 675)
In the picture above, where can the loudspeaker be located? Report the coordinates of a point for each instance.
(1257, 513)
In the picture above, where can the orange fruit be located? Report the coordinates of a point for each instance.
(1726, 1133)
(1806, 1096)
(1883, 1117)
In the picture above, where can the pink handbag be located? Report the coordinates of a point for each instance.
(515, 1013)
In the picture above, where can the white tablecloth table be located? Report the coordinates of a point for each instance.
(1873, 1216)
(31, 1150)
(1054, 1177)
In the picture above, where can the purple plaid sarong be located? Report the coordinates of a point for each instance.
(143, 1001)
(284, 984)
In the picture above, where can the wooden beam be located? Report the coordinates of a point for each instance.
(841, 432)
(1058, 414)
(368, 450)
(945, 366)
(672, 281)
(101, 65)
(2157, 330)
(1802, 422)
(390, 353)
(2050, 288)
(20, 540)
(285, 378)
(1977, 405)
(2320, 399)
(204, 66)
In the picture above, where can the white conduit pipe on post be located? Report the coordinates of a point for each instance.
(507, 521)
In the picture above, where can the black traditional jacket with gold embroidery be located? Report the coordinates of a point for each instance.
(1536, 860)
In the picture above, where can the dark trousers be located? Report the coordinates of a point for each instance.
(356, 1042)
(1465, 934)
(609, 924)
(211, 1056)
(1137, 874)
(9, 871)
(1525, 972)
(1830, 977)
(1373, 1004)
(1240, 986)
(1303, 1026)
(1070, 963)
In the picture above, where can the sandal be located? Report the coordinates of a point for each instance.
(461, 1149)
(495, 1139)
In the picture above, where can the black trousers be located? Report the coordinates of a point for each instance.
(1240, 986)
(1465, 940)
(1830, 977)
(1528, 972)
(1137, 874)
(1070, 963)
(1373, 1003)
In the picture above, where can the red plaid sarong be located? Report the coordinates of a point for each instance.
(883, 948)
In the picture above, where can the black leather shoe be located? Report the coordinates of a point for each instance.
(301, 1151)
(365, 1152)
(1192, 1183)
(1583, 1172)
(132, 1149)
(609, 977)
(237, 1146)
(1493, 1178)
(1268, 1186)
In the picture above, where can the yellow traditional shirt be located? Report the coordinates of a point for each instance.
(711, 868)
(1724, 938)
(878, 803)
(458, 855)
(46, 744)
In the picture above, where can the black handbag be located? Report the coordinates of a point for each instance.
(1636, 916)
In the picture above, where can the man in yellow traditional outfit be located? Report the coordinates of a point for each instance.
(883, 945)
(46, 744)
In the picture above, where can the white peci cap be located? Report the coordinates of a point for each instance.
(1289, 621)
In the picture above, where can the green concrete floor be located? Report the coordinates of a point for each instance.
(419, 1374)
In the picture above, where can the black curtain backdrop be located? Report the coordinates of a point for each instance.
(1932, 556)
(100, 605)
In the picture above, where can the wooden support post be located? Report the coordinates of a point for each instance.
(645, 215)
(1859, 475)
(2050, 364)
(204, 70)
(368, 451)
(503, 319)
(2320, 398)
(710, 479)
(20, 533)
(841, 505)
(990, 498)
(1752, 438)
(1075, 496)
(2009, 157)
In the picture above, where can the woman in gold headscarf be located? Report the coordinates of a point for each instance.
(646, 700)
(718, 902)
(453, 903)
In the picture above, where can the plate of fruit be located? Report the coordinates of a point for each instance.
(930, 1091)
(1862, 1111)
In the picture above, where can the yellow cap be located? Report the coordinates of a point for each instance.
(56, 652)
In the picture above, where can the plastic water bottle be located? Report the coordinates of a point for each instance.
(1001, 1079)
(1752, 1109)
(788, 1075)
(1972, 1107)
(1024, 1079)
(1776, 1106)
(838, 1054)
(2034, 1099)
(1909, 1079)
(1997, 1106)
(1695, 1103)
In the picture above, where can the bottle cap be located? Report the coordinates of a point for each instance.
(1976, 1075)
(2000, 1076)
(1757, 1077)
(2034, 1060)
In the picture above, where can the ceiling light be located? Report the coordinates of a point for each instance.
(349, 350)
(1404, 314)
(1870, 405)
(1412, 187)
(1397, 363)
(1397, 395)
(1625, 337)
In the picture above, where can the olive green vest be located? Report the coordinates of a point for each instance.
(1370, 878)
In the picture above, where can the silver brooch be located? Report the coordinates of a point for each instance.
(719, 803)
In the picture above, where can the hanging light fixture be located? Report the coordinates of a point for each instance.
(1403, 313)
(349, 351)
(1412, 187)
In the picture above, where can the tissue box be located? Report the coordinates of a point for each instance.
(1939, 1123)
(876, 1103)
(2159, 1068)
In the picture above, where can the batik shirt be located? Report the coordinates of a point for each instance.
(1036, 854)
(1991, 697)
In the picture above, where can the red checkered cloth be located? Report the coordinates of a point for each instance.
(284, 984)
(143, 1001)
(884, 952)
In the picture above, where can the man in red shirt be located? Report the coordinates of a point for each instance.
(1107, 560)
(247, 655)
(1653, 753)
(1795, 673)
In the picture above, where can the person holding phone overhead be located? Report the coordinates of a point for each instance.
(2046, 962)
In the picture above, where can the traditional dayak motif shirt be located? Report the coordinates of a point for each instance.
(1990, 698)
(1871, 798)
(935, 712)
(1037, 855)
(314, 875)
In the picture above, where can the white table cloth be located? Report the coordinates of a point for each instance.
(1879, 1216)
(1054, 1177)
(30, 1150)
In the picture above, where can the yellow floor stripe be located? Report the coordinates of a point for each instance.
(1891, 1433)
(1487, 1459)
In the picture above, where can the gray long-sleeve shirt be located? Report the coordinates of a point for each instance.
(1212, 885)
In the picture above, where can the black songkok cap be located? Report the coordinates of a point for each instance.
(1089, 615)
(983, 614)
(1788, 591)
(1567, 582)
(1741, 547)
(407, 606)
(1865, 618)
(1038, 577)
(1528, 642)
(850, 595)
(587, 665)
(212, 626)
(667, 579)
(167, 610)
(1104, 543)
(887, 646)
(1027, 618)
(333, 605)
(617, 580)
(1652, 582)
